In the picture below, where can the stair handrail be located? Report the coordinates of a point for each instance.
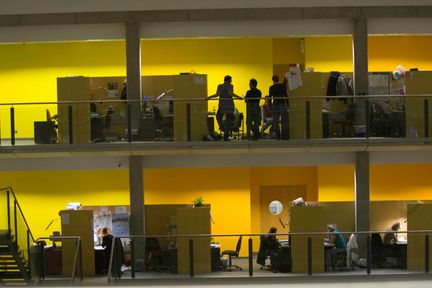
(9, 188)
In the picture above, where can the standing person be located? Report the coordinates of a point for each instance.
(225, 113)
(278, 94)
(252, 99)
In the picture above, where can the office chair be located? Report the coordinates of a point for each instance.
(232, 253)
(154, 255)
(377, 250)
(263, 253)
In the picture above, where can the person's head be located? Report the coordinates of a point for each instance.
(104, 231)
(275, 79)
(253, 83)
(273, 230)
(227, 79)
(330, 228)
(395, 226)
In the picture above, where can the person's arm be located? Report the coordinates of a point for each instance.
(232, 94)
(214, 95)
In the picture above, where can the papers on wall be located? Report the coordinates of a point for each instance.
(120, 224)
(65, 219)
(293, 77)
(101, 220)
(379, 84)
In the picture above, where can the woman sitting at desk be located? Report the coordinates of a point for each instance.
(339, 247)
(390, 237)
(268, 245)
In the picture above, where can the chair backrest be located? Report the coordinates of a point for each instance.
(376, 241)
(238, 247)
(152, 244)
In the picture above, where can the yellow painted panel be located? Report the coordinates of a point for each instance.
(326, 54)
(336, 183)
(288, 51)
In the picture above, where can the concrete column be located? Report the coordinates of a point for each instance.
(136, 197)
(133, 69)
(360, 61)
(362, 198)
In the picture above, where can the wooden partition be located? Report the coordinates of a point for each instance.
(419, 218)
(74, 89)
(194, 221)
(78, 223)
(340, 213)
(191, 88)
(420, 83)
(307, 219)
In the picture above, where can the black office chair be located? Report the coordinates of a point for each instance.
(232, 253)
(154, 255)
(377, 250)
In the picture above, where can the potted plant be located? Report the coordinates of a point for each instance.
(198, 202)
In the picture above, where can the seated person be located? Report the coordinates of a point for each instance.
(266, 115)
(339, 247)
(268, 245)
(390, 237)
(107, 241)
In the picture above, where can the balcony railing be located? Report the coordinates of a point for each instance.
(401, 119)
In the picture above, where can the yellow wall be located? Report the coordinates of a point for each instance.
(279, 176)
(387, 52)
(401, 182)
(287, 51)
(326, 54)
(227, 190)
(232, 192)
(42, 194)
(243, 59)
(336, 183)
(29, 72)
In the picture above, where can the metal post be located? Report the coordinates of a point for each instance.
(367, 122)
(81, 260)
(12, 125)
(426, 253)
(42, 260)
(133, 259)
(308, 120)
(426, 118)
(129, 123)
(368, 256)
(15, 224)
(28, 250)
(250, 258)
(188, 122)
(70, 124)
(8, 214)
(191, 258)
(309, 255)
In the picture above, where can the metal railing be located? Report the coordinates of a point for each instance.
(77, 259)
(17, 226)
(363, 110)
(362, 236)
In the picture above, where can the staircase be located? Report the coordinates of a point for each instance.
(13, 268)
(14, 237)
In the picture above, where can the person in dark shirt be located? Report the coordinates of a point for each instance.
(107, 241)
(278, 94)
(253, 109)
(225, 113)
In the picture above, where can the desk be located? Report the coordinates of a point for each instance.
(397, 252)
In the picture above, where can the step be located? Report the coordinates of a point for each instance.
(10, 275)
